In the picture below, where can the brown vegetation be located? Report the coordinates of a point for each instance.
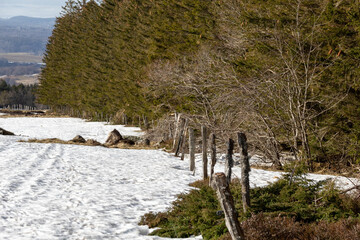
(123, 144)
(89, 142)
(284, 228)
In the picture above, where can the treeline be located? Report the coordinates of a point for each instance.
(25, 34)
(285, 71)
(16, 94)
(98, 55)
(7, 68)
(23, 39)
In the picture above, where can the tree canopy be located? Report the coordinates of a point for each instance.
(286, 71)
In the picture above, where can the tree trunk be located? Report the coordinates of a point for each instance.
(245, 169)
(221, 186)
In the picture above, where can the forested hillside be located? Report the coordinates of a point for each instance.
(25, 34)
(285, 71)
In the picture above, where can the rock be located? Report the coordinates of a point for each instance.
(92, 142)
(4, 132)
(78, 139)
(113, 138)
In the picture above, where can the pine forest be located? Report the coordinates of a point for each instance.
(286, 72)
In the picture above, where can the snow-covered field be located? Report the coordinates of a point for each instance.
(63, 128)
(53, 191)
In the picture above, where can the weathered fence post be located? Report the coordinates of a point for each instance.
(221, 186)
(180, 137)
(229, 162)
(245, 169)
(192, 149)
(183, 140)
(125, 120)
(146, 123)
(204, 151)
(177, 121)
(213, 155)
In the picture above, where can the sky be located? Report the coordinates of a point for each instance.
(31, 8)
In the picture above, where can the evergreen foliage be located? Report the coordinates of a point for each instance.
(286, 71)
(97, 55)
(303, 202)
(17, 94)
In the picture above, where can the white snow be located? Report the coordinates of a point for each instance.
(54, 191)
(63, 128)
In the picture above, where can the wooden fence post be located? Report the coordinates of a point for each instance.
(180, 137)
(192, 149)
(229, 162)
(213, 155)
(204, 151)
(146, 123)
(221, 186)
(245, 169)
(183, 141)
(125, 120)
(177, 122)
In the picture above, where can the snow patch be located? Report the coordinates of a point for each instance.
(54, 191)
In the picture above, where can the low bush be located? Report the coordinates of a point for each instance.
(293, 208)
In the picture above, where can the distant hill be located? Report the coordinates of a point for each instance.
(25, 34)
(22, 21)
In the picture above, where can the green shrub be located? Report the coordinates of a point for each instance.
(299, 200)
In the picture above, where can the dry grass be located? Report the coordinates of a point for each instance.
(285, 228)
(28, 113)
(90, 142)
(59, 141)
